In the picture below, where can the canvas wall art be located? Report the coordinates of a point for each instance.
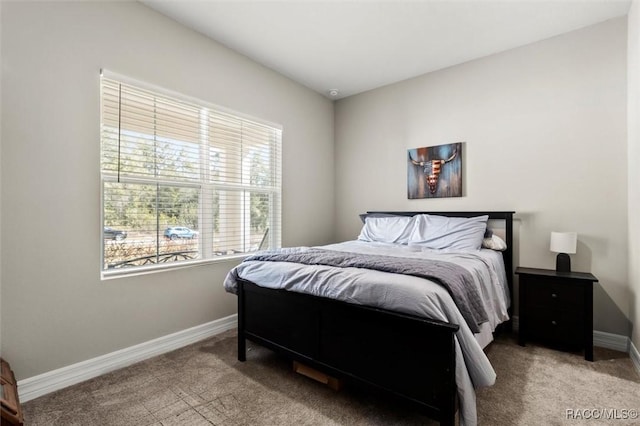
(435, 171)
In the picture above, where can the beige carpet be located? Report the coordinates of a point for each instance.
(204, 384)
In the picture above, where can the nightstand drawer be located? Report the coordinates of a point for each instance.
(563, 328)
(552, 293)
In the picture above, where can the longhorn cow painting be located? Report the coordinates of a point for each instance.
(435, 171)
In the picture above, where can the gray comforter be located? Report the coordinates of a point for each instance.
(456, 279)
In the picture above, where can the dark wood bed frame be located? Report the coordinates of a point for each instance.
(405, 355)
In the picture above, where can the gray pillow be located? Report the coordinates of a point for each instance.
(364, 216)
(449, 233)
(387, 229)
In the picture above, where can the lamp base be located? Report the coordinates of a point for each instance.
(563, 263)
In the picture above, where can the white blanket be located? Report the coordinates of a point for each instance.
(408, 294)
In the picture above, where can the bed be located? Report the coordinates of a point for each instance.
(427, 358)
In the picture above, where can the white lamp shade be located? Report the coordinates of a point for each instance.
(563, 242)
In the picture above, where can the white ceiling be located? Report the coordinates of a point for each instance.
(354, 46)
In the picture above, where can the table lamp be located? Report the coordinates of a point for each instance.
(563, 243)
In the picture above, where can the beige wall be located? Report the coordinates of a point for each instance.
(633, 123)
(545, 132)
(55, 309)
(544, 126)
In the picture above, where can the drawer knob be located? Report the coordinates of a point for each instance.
(553, 295)
(554, 323)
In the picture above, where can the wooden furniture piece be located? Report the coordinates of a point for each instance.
(557, 308)
(318, 376)
(11, 409)
(407, 356)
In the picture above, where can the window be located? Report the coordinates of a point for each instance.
(183, 180)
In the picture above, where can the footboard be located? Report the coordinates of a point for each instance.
(408, 356)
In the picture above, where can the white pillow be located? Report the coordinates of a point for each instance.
(392, 229)
(453, 233)
(494, 243)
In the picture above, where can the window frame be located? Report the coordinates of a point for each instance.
(205, 187)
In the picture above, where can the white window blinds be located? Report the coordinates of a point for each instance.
(183, 180)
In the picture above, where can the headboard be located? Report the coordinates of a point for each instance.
(507, 217)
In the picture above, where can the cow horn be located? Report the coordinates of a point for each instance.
(416, 163)
(452, 156)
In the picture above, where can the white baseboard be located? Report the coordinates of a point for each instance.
(635, 356)
(617, 342)
(42, 384)
(51, 381)
(601, 339)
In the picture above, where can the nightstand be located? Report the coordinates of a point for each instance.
(556, 308)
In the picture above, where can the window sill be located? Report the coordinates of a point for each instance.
(153, 269)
